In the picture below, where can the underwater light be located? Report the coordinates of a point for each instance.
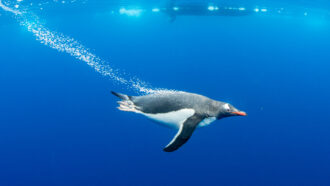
(175, 8)
(263, 10)
(130, 12)
(155, 10)
(241, 8)
(211, 8)
(256, 10)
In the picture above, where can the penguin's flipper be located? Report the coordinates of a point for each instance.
(184, 133)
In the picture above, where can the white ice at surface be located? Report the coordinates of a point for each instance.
(62, 43)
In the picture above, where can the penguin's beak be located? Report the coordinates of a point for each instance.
(240, 113)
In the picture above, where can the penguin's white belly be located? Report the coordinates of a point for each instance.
(172, 119)
(176, 118)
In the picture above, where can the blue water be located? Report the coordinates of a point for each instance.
(59, 124)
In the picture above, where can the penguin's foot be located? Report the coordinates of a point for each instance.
(127, 106)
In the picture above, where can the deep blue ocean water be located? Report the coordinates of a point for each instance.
(59, 124)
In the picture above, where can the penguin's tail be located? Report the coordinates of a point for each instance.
(125, 104)
(121, 96)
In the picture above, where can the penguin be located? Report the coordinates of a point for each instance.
(183, 111)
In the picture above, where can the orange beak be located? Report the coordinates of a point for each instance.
(240, 113)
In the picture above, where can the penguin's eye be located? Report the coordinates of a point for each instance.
(226, 106)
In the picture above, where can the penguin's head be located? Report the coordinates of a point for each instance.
(227, 110)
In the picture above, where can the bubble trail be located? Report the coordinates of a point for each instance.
(62, 43)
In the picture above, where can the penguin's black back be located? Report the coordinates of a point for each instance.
(170, 101)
